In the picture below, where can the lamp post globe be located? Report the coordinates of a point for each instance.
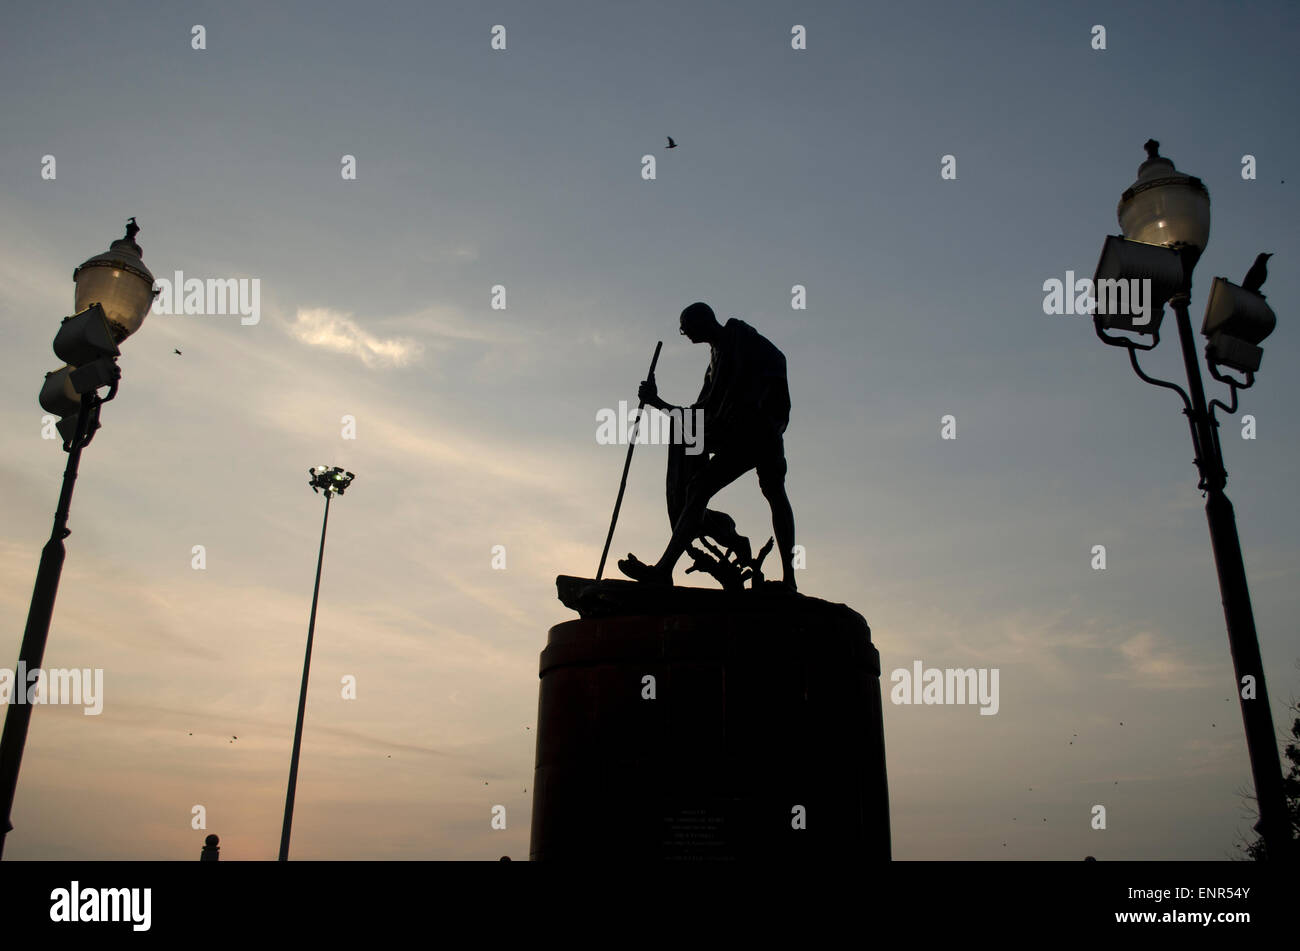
(118, 281)
(1165, 206)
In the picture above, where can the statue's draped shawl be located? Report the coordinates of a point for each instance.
(745, 393)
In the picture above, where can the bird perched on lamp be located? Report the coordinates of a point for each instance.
(1257, 274)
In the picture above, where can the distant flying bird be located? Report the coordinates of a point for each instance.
(1257, 274)
(175, 351)
(671, 144)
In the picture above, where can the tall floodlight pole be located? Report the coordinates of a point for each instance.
(332, 481)
(1164, 217)
(114, 292)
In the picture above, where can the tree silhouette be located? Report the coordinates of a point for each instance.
(1255, 850)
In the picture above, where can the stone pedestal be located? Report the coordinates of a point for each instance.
(759, 736)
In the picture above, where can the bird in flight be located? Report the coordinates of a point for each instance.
(175, 351)
(1257, 274)
(671, 144)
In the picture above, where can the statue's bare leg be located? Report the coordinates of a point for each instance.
(783, 528)
(719, 526)
(720, 471)
(771, 480)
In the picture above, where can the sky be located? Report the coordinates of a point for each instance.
(475, 426)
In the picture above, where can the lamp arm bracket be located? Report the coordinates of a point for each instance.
(1125, 342)
(1133, 359)
(1235, 384)
(91, 422)
(1224, 406)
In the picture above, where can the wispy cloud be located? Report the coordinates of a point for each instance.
(336, 331)
(1156, 663)
(450, 253)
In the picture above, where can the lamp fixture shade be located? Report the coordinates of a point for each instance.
(119, 282)
(1165, 206)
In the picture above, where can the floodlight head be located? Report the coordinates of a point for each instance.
(1239, 312)
(1227, 351)
(101, 372)
(58, 397)
(61, 397)
(1122, 262)
(332, 479)
(67, 428)
(85, 337)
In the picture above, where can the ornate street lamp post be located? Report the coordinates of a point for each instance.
(114, 292)
(1165, 220)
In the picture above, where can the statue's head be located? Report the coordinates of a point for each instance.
(698, 322)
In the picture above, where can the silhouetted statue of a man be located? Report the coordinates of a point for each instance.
(746, 406)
